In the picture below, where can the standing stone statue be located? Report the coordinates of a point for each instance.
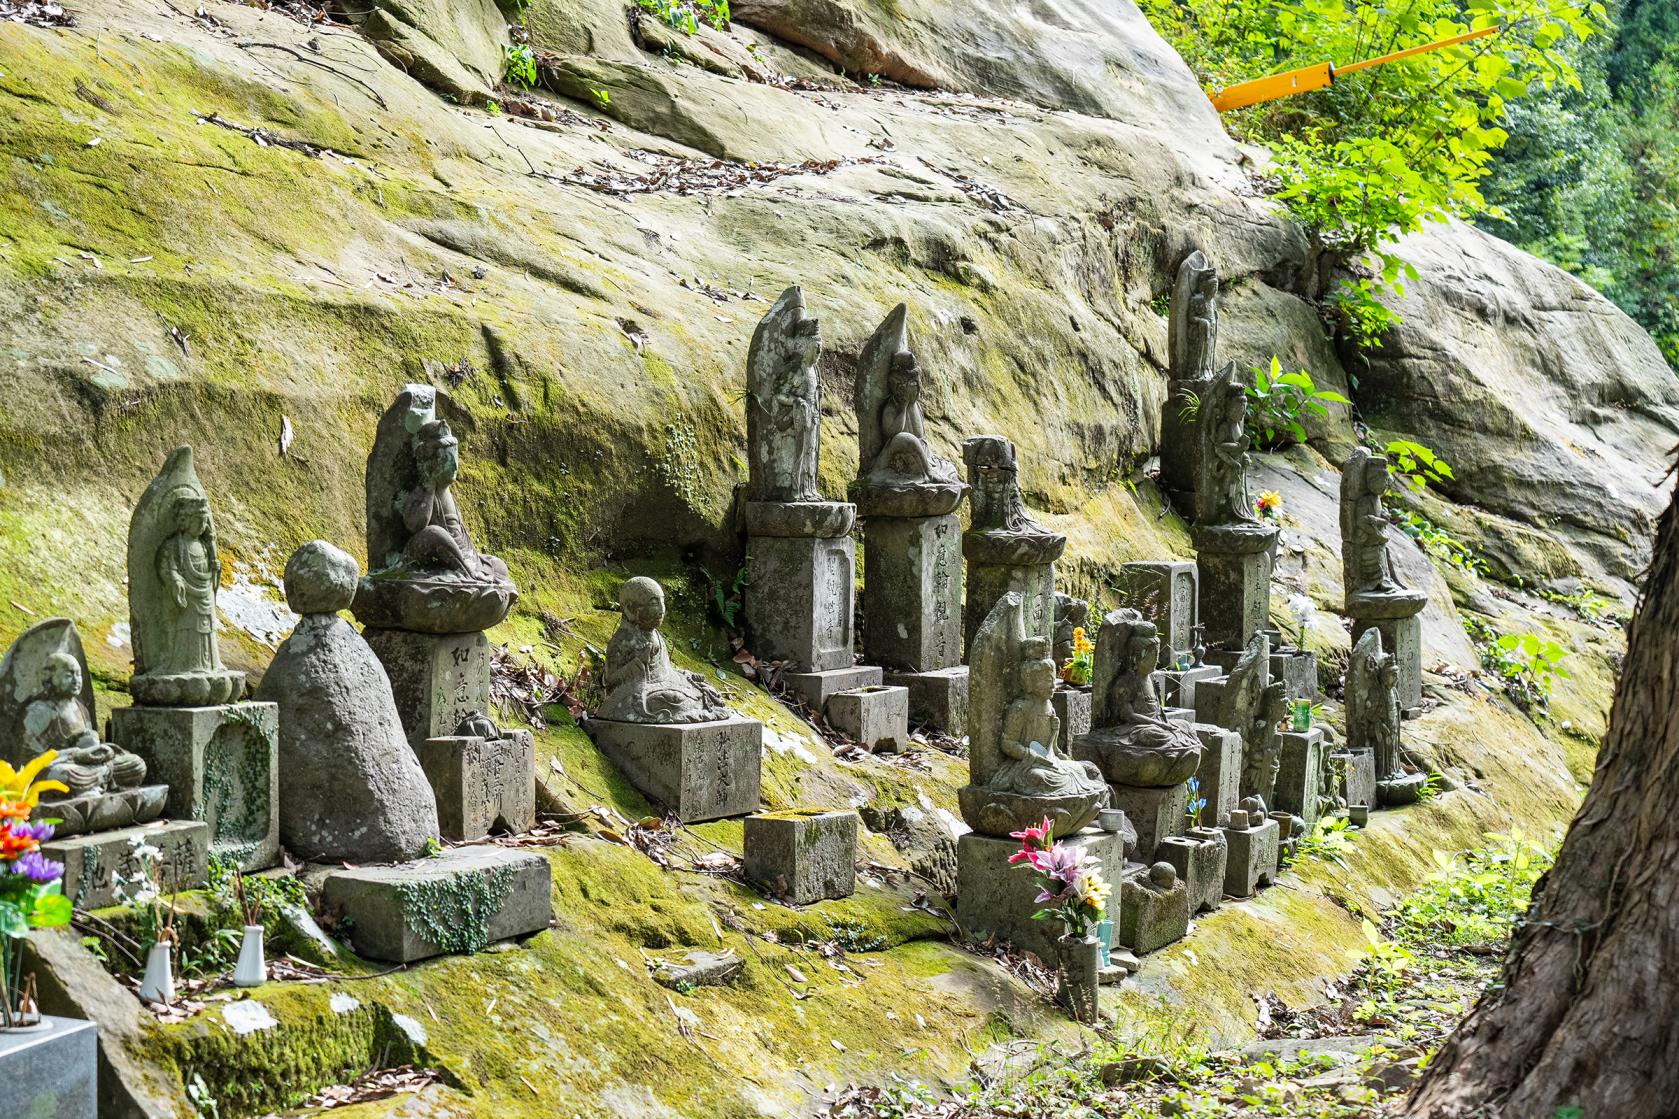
(1005, 548)
(430, 578)
(1249, 702)
(1224, 411)
(1375, 597)
(351, 789)
(1192, 343)
(783, 419)
(173, 573)
(642, 686)
(1070, 614)
(1235, 551)
(1373, 717)
(1131, 742)
(46, 703)
(1017, 775)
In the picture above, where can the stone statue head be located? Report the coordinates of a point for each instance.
(643, 602)
(437, 454)
(1037, 669)
(904, 381)
(190, 511)
(61, 677)
(1140, 652)
(1376, 476)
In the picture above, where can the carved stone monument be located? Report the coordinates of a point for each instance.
(1373, 718)
(351, 789)
(1006, 550)
(668, 730)
(219, 757)
(1167, 593)
(1249, 702)
(800, 559)
(1192, 350)
(912, 567)
(1375, 598)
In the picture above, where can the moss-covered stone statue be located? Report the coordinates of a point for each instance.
(1373, 587)
(783, 413)
(46, 703)
(1017, 775)
(429, 577)
(642, 686)
(173, 574)
(1373, 717)
(1131, 742)
(1004, 547)
(898, 473)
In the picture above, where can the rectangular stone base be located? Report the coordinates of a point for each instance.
(454, 903)
(1252, 860)
(1072, 707)
(803, 856)
(877, 716)
(1180, 683)
(987, 583)
(1154, 813)
(700, 771)
(1403, 638)
(1298, 671)
(1151, 916)
(1357, 769)
(437, 680)
(1300, 774)
(51, 1072)
(93, 862)
(1235, 596)
(937, 699)
(1220, 772)
(1199, 857)
(482, 784)
(800, 593)
(1166, 592)
(994, 898)
(816, 688)
(912, 592)
(221, 765)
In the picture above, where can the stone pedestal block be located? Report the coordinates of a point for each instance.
(93, 862)
(1300, 774)
(1235, 596)
(436, 680)
(937, 699)
(482, 784)
(800, 600)
(1298, 670)
(1252, 861)
(1178, 714)
(1199, 856)
(994, 898)
(816, 688)
(1395, 792)
(877, 716)
(1072, 707)
(1403, 638)
(50, 1071)
(989, 582)
(1167, 593)
(222, 767)
(1154, 813)
(700, 771)
(1154, 908)
(912, 592)
(803, 856)
(1180, 686)
(1220, 772)
(456, 903)
(1357, 769)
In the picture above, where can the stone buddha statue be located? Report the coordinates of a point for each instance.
(1130, 741)
(898, 473)
(642, 686)
(56, 720)
(1372, 585)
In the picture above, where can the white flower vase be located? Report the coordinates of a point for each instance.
(252, 968)
(158, 985)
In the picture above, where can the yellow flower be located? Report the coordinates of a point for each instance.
(1094, 890)
(19, 791)
(1081, 643)
(1269, 500)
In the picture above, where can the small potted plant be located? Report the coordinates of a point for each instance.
(251, 969)
(1080, 668)
(1076, 895)
(30, 893)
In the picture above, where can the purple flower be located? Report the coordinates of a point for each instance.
(1062, 864)
(37, 867)
(38, 832)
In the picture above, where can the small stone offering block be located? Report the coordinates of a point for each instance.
(1154, 812)
(1357, 768)
(1199, 857)
(1298, 670)
(1072, 707)
(436, 679)
(1154, 910)
(1180, 683)
(92, 862)
(996, 898)
(803, 856)
(876, 716)
(1300, 773)
(221, 765)
(1220, 772)
(482, 784)
(1253, 854)
(700, 771)
(817, 688)
(937, 699)
(50, 1071)
(456, 903)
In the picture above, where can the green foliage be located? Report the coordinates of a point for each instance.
(856, 936)
(1416, 464)
(1440, 544)
(1379, 153)
(727, 596)
(520, 65)
(686, 15)
(1278, 402)
(1329, 838)
(1475, 900)
(1528, 665)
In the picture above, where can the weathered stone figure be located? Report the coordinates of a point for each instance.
(46, 703)
(432, 579)
(1131, 742)
(1373, 717)
(1070, 614)
(1192, 345)
(1017, 776)
(1253, 704)
(783, 419)
(173, 573)
(1372, 584)
(1005, 548)
(892, 447)
(1224, 410)
(642, 686)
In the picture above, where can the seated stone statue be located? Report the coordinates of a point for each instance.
(1130, 742)
(56, 720)
(642, 686)
(898, 473)
(432, 578)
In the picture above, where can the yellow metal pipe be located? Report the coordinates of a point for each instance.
(1320, 76)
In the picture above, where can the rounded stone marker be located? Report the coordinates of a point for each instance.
(1164, 875)
(320, 578)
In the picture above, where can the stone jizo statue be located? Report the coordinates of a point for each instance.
(642, 686)
(1373, 715)
(898, 471)
(1373, 588)
(173, 575)
(1131, 742)
(998, 510)
(1224, 409)
(1193, 328)
(783, 414)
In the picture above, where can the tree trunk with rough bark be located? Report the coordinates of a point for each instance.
(1585, 1013)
